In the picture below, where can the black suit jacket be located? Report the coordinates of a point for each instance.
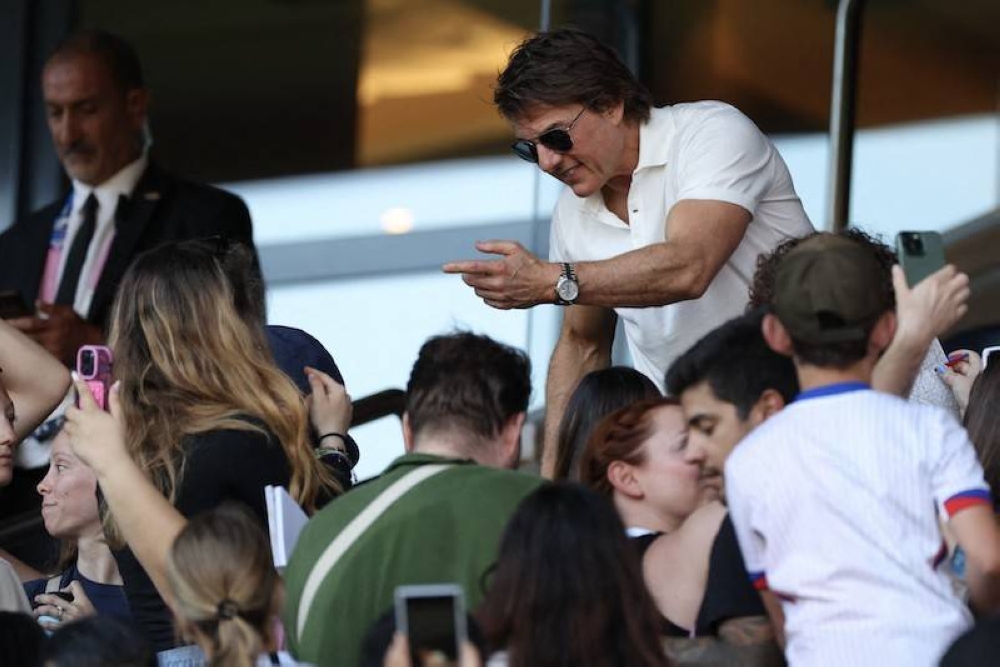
(162, 208)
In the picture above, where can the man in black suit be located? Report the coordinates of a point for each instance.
(68, 258)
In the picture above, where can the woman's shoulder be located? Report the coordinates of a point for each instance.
(694, 536)
(704, 523)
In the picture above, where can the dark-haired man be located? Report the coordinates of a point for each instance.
(729, 383)
(67, 259)
(435, 515)
(837, 499)
(655, 224)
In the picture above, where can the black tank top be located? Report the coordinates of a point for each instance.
(642, 543)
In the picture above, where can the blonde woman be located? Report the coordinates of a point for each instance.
(226, 592)
(199, 414)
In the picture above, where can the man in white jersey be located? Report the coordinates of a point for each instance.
(664, 216)
(836, 499)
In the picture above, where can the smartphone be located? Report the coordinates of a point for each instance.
(93, 365)
(65, 595)
(432, 616)
(12, 304)
(920, 254)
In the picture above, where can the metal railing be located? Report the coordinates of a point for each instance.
(843, 100)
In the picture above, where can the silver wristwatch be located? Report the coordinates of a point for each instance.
(567, 287)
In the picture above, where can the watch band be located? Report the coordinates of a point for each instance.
(568, 275)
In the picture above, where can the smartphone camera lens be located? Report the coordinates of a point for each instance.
(913, 244)
(87, 363)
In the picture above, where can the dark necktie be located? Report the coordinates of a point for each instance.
(78, 253)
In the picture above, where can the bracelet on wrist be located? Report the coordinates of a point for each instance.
(333, 434)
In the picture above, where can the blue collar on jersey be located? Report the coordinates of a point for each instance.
(831, 390)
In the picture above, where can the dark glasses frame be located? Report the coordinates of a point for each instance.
(557, 139)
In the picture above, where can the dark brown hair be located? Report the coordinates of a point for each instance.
(619, 437)
(117, 54)
(467, 382)
(984, 426)
(599, 393)
(568, 66)
(568, 589)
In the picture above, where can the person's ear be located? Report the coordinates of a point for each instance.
(407, 433)
(137, 107)
(623, 479)
(769, 404)
(884, 331)
(510, 441)
(616, 113)
(776, 335)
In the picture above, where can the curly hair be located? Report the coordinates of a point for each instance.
(836, 355)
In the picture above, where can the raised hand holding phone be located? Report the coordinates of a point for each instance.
(929, 308)
(97, 436)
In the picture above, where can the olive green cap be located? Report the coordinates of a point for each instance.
(827, 290)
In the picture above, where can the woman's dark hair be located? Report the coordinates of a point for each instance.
(568, 589)
(983, 425)
(568, 66)
(21, 639)
(619, 437)
(96, 641)
(599, 394)
(837, 355)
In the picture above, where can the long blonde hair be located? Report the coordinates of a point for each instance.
(226, 591)
(188, 364)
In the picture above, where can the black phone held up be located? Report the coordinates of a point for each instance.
(65, 595)
(433, 618)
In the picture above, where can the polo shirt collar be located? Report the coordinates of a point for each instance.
(419, 459)
(654, 145)
(654, 139)
(832, 390)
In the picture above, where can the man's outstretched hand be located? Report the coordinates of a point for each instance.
(518, 279)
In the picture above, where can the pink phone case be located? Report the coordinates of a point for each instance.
(93, 365)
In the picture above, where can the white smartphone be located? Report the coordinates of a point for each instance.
(432, 616)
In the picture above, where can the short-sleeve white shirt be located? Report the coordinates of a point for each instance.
(836, 503)
(701, 150)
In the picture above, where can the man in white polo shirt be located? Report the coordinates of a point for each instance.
(666, 212)
(836, 499)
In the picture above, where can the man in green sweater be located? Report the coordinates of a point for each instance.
(434, 516)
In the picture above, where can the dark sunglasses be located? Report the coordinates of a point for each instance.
(557, 139)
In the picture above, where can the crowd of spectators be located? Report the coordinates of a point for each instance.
(815, 486)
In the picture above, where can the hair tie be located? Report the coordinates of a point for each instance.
(227, 610)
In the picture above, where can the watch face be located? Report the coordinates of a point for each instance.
(567, 289)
